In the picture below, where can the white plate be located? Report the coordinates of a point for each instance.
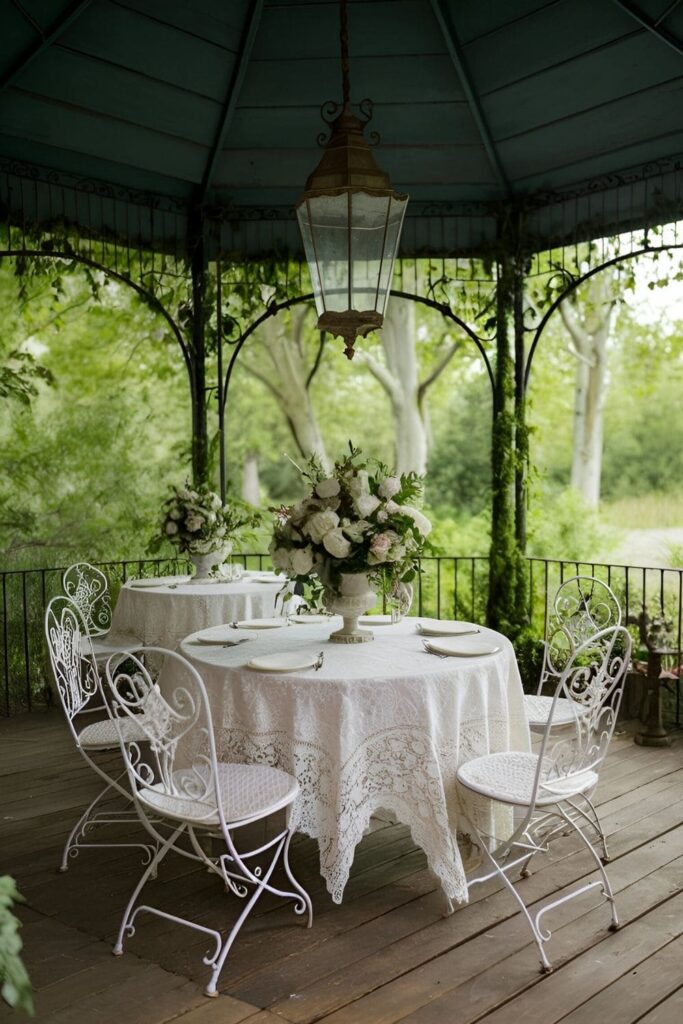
(262, 623)
(464, 648)
(446, 627)
(375, 620)
(309, 620)
(268, 579)
(288, 661)
(156, 581)
(218, 635)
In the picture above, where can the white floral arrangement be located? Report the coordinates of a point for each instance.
(197, 522)
(361, 519)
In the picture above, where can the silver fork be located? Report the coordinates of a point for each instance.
(319, 661)
(428, 650)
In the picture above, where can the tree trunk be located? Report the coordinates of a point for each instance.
(399, 378)
(282, 367)
(251, 488)
(589, 336)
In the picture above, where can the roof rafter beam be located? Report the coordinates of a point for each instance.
(251, 24)
(47, 38)
(655, 27)
(454, 48)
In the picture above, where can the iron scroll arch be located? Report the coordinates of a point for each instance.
(274, 308)
(143, 292)
(576, 283)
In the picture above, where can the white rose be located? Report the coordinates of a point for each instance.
(302, 560)
(366, 504)
(327, 488)
(358, 483)
(282, 559)
(421, 522)
(390, 486)
(302, 509)
(194, 522)
(319, 524)
(171, 528)
(355, 531)
(336, 543)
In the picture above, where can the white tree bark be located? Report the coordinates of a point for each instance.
(399, 375)
(589, 335)
(251, 487)
(278, 360)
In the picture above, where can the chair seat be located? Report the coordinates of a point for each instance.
(104, 646)
(538, 711)
(103, 735)
(247, 791)
(509, 777)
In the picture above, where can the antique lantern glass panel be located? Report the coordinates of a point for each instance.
(350, 242)
(324, 227)
(397, 209)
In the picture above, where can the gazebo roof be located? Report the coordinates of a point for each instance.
(569, 107)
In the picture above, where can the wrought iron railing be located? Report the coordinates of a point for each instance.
(448, 587)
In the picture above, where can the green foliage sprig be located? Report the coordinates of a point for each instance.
(16, 985)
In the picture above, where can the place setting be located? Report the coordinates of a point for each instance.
(451, 638)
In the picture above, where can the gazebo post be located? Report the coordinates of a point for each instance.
(197, 347)
(507, 597)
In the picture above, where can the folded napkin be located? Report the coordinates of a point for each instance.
(454, 647)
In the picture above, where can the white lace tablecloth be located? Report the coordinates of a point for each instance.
(380, 725)
(164, 615)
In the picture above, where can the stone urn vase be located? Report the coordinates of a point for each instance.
(353, 598)
(203, 564)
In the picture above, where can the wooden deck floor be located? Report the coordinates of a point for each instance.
(385, 955)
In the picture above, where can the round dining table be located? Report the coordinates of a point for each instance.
(162, 612)
(379, 725)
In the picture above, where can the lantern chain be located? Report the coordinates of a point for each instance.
(344, 45)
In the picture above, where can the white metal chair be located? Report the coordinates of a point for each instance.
(77, 680)
(88, 588)
(582, 606)
(177, 777)
(544, 787)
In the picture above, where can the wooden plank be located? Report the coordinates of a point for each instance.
(648, 984)
(441, 949)
(668, 1012)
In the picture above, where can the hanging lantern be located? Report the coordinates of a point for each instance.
(350, 220)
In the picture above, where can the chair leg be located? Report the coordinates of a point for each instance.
(149, 872)
(546, 966)
(71, 845)
(599, 829)
(606, 886)
(90, 818)
(305, 906)
(217, 965)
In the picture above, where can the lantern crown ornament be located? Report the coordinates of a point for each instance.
(350, 219)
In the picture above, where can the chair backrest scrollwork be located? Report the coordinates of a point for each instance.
(582, 607)
(178, 758)
(88, 588)
(71, 656)
(592, 683)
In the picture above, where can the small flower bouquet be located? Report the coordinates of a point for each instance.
(198, 524)
(359, 520)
